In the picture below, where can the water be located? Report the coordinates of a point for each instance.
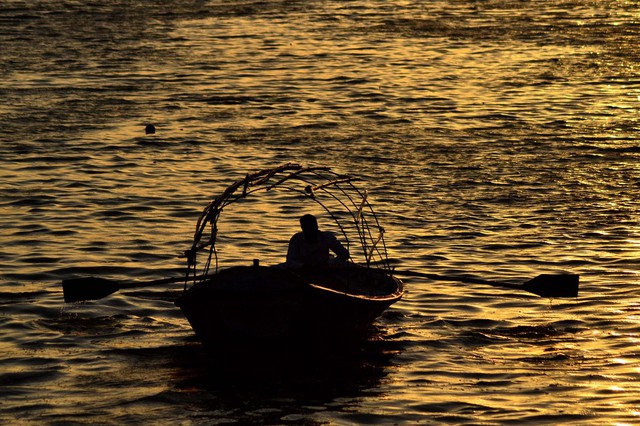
(497, 139)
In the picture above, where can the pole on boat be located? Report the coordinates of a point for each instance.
(544, 285)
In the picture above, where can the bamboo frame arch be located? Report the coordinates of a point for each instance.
(318, 184)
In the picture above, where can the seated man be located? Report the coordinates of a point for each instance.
(310, 248)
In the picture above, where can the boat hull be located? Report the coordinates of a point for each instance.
(267, 303)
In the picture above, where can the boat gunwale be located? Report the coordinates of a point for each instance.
(396, 295)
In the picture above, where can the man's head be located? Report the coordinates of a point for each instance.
(309, 226)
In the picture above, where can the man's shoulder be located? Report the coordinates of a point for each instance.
(296, 236)
(328, 235)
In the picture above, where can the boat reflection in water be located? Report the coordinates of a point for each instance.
(256, 303)
(265, 382)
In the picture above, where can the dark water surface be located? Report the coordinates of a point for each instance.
(496, 138)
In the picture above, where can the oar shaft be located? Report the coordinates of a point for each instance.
(137, 284)
(470, 280)
(92, 288)
(545, 285)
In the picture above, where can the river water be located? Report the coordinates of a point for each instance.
(496, 138)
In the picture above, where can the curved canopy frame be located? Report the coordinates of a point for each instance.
(347, 205)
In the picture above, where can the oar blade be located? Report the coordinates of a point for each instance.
(554, 285)
(88, 288)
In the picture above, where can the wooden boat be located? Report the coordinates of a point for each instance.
(247, 303)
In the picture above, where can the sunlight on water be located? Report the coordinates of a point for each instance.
(496, 139)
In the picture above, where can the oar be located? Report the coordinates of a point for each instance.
(92, 288)
(545, 285)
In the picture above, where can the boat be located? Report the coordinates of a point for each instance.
(266, 302)
(254, 302)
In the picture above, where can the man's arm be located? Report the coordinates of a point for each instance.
(294, 259)
(342, 254)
